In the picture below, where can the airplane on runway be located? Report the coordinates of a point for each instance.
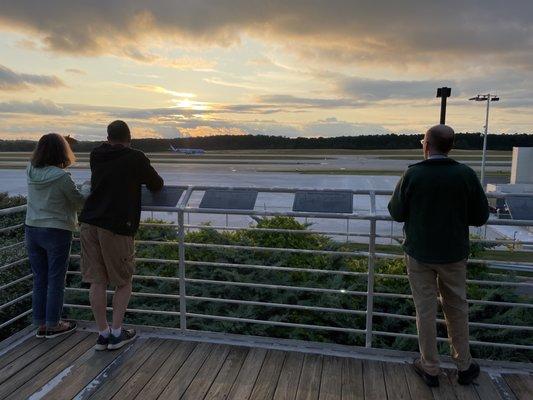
(186, 150)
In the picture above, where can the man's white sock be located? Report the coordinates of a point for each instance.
(104, 333)
(116, 332)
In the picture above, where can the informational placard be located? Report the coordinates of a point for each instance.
(520, 207)
(231, 199)
(323, 201)
(166, 197)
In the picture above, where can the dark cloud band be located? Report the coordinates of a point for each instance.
(339, 30)
(11, 80)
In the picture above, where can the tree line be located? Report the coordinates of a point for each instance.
(466, 141)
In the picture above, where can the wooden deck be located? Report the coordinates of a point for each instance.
(154, 368)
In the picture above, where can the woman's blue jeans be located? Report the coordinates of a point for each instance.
(49, 251)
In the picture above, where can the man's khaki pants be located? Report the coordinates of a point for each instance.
(427, 280)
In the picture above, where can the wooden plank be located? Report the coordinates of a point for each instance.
(181, 381)
(27, 358)
(207, 374)
(503, 387)
(140, 378)
(37, 365)
(83, 371)
(395, 381)
(462, 392)
(486, 389)
(445, 390)
(45, 375)
(417, 388)
(222, 384)
(28, 372)
(265, 384)
(309, 385)
(244, 384)
(166, 371)
(19, 350)
(374, 381)
(331, 385)
(521, 385)
(352, 380)
(289, 377)
(120, 375)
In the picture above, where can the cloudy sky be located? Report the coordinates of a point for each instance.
(290, 67)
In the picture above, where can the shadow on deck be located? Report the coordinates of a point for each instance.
(163, 368)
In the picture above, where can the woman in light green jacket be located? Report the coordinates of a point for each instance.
(53, 201)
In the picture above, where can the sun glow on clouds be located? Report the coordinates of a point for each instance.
(192, 105)
(159, 89)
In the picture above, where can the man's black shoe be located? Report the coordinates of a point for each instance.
(468, 376)
(126, 336)
(430, 380)
(102, 343)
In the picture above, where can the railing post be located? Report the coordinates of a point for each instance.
(371, 262)
(181, 270)
(347, 230)
(181, 248)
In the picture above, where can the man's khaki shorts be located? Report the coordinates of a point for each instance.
(105, 256)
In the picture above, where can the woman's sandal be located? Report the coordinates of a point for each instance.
(62, 328)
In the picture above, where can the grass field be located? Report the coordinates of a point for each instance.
(179, 156)
(360, 152)
(458, 156)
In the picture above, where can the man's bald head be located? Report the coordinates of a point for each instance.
(439, 139)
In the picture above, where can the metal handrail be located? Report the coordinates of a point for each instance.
(11, 228)
(12, 210)
(372, 216)
(14, 264)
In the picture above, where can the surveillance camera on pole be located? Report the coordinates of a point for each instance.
(488, 98)
(443, 93)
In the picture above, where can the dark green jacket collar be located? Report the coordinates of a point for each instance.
(436, 161)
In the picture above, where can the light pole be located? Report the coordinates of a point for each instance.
(443, 93)
(488, 98)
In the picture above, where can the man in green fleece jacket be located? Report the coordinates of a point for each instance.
(437, 200)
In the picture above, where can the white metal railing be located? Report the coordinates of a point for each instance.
(372, 215)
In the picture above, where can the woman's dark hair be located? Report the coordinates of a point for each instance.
(53, 150)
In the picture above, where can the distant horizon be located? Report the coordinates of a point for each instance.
(263, 134)
(186, 69)
(463, 141)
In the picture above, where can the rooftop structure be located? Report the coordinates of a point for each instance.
(522, 166)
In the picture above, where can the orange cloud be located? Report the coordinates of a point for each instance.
(211, 131)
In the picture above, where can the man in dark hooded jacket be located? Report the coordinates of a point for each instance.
(110, 219)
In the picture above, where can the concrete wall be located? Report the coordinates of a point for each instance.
(522, 168)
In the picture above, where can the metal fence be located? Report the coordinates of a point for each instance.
(185, 208)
